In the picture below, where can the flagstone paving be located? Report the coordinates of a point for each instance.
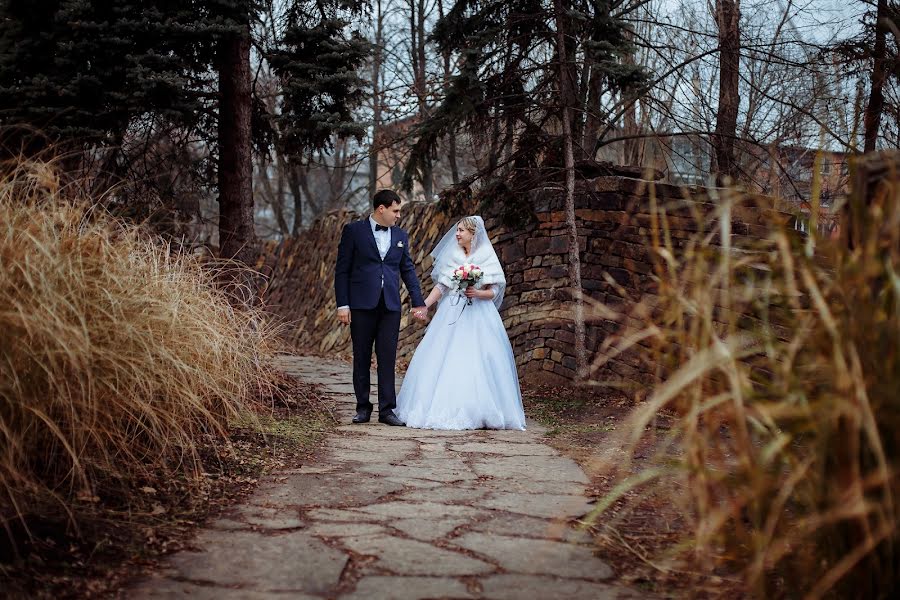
(400, 513)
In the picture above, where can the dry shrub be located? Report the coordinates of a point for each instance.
(781, 358)
(116, 355)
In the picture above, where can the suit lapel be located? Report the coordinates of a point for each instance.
(393, 241)
(371, 235)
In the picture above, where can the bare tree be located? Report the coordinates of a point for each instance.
(568, 98)
(418, 59)
(451, 136)
(728, 17)
(875, 105)
(377, 93)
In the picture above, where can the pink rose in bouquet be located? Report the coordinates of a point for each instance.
(465, 276)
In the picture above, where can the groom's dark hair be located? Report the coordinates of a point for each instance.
(385, 198)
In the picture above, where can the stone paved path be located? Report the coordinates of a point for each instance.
(403, 514)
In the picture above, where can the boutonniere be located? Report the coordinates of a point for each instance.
(400, 244)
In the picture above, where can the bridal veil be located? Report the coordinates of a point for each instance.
(448, 256)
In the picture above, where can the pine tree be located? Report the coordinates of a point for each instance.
(318, 61)
(76, 74)
(79, 71)
(530, 81)
(507, 88)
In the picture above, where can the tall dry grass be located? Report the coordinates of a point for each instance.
(115, 355)
(780, 358)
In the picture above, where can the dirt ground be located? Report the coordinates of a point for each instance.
(114, 542)
(637, 533)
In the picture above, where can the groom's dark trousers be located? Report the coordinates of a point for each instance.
(381, 327)
(370, 286)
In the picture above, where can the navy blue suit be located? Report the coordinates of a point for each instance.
(374, 306)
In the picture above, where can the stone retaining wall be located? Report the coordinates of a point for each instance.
(614, 220)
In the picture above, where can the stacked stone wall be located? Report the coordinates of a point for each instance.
(300, 272)
(614, 216)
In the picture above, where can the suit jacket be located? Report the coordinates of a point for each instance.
(359, 270)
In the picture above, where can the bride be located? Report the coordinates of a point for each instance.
(463, 373)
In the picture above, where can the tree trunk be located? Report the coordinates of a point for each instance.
(274, 196)
(417, 57)
(451, 137)
(422, 88)
(314, 206)
(451, 157)
(567, 95)
(374, 148)
(413, 44)
(568, 73)
(632, 147)
(493, 154)
(592, 111)
(236, 234)
(294, 184)
(420, 54)
(875, 106)
(338, 179)
(728, 16)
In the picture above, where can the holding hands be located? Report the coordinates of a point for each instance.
(419, 312)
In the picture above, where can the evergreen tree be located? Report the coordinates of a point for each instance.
(531, 81)
(79, 71)
(318, 64)
(76, 74)
(508, 89)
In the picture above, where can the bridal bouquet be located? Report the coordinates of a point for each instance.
(465, 276)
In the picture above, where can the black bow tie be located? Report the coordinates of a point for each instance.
(381, 228)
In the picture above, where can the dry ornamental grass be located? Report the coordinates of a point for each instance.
(781, 357)
(116, 355)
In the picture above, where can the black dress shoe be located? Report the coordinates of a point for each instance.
(390, 419)
(362, 416)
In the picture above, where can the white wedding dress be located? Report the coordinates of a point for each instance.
(463, 373)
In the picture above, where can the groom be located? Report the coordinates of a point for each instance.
(372, 257)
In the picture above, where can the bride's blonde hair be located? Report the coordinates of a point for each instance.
(470, 224)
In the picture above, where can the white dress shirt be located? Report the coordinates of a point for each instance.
(382, 241)
(382, 238)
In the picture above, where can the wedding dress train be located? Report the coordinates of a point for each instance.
(463, 374)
